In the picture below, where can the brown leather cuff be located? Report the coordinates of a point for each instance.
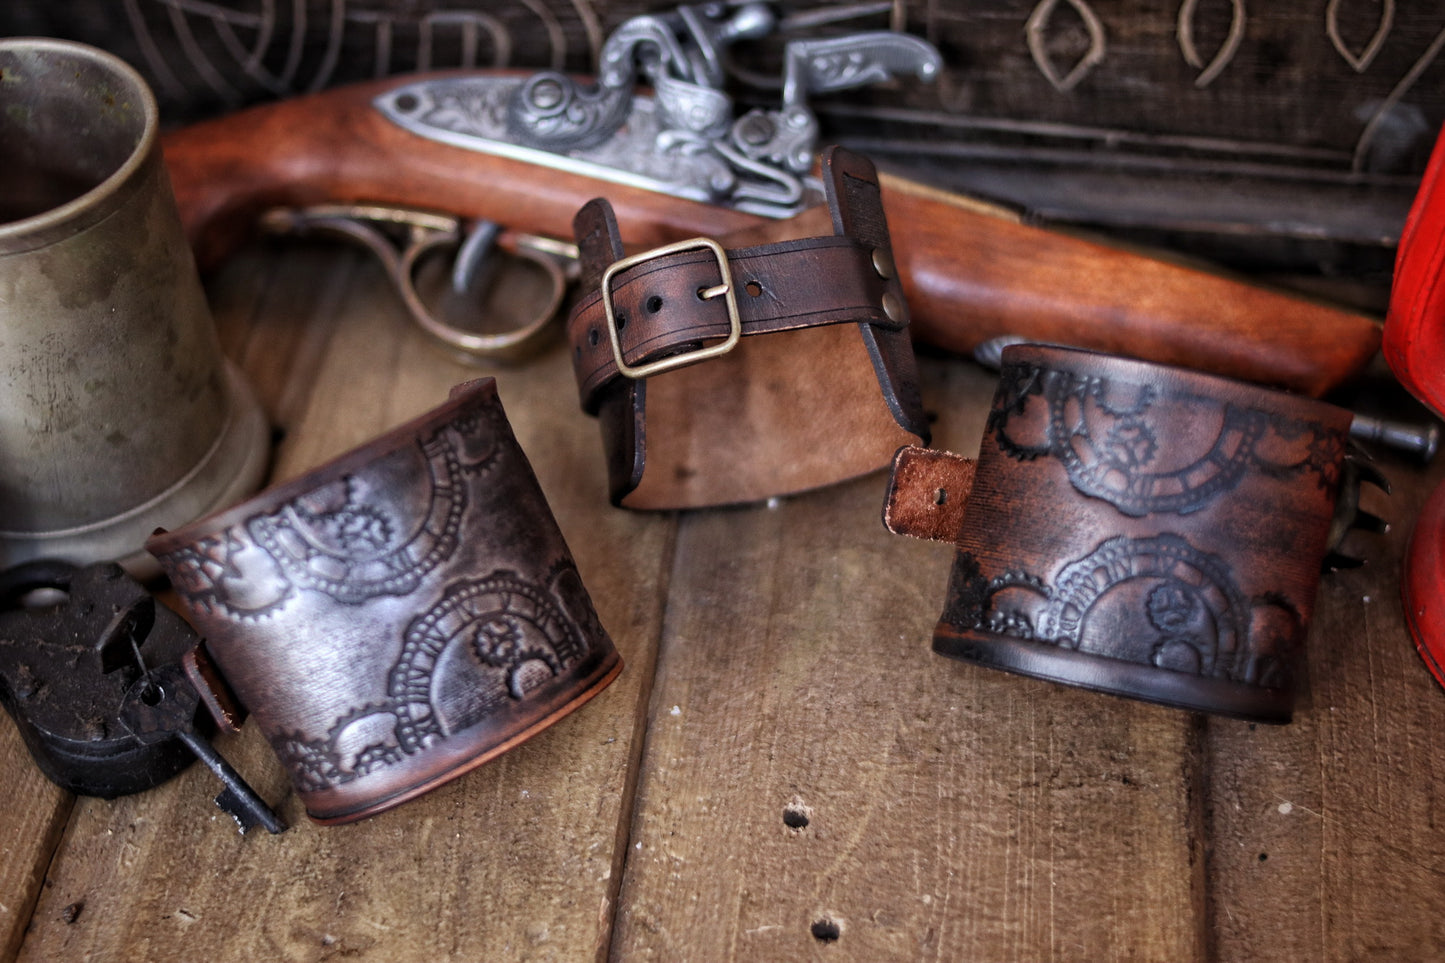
(723, 375)
(1133, 528)
(396, 617)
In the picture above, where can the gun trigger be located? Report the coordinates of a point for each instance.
(473, 252)
(403, 238)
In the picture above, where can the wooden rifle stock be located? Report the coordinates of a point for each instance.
(970, 274)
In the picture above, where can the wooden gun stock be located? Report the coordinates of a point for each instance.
(970, 274)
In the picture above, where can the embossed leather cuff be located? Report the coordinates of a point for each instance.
(397, 616)
(1133, 528)
(723, 375)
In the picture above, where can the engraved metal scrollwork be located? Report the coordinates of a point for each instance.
(840, 63)
(474, 109)
(773, 138)
(551, 111)
(554, 112)
(683, 139)
(787, 137)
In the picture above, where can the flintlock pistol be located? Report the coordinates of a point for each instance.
(656, 134)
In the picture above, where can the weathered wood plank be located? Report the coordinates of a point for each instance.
(1326, 841)
(276, 309)
(518, 859)
(30, 832)
(951, 812)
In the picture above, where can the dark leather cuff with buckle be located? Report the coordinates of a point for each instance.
(724, 374)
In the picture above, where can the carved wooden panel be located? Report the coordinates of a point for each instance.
(202, 56)
(1309, 119)
(1344, 85)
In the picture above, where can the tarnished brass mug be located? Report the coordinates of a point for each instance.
(1133, 528)
(118, 413)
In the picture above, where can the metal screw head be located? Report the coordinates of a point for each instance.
(755, 129)
(883, 264)
(894, 308)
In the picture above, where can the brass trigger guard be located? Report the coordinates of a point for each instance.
(425, 231)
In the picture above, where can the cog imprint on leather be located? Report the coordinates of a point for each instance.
(484, 647)
(361, 536)
(1107, 435)
(1158, 601)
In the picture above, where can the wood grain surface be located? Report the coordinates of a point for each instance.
(784, 770)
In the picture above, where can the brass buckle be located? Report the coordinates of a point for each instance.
(725, 290)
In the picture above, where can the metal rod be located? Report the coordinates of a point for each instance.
(1420, 440)
(250, 809)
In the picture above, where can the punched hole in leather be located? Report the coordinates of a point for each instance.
(927, 492)
(820, 387)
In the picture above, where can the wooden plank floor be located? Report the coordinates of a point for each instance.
(784, 771)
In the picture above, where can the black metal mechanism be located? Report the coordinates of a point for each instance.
(90, 670)
(1359, 469)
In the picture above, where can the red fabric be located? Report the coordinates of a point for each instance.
(1414, 347)
(1414, 336)
(1423, 582)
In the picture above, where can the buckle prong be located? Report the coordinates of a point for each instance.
(723, 290)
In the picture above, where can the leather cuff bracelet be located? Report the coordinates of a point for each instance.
(1133, 528)
(731, 375)
(397, 616)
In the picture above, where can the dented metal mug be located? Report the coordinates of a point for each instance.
(118, 412)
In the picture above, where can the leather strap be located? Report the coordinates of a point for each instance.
(927, 493)
(820, 322)
(660, 309)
